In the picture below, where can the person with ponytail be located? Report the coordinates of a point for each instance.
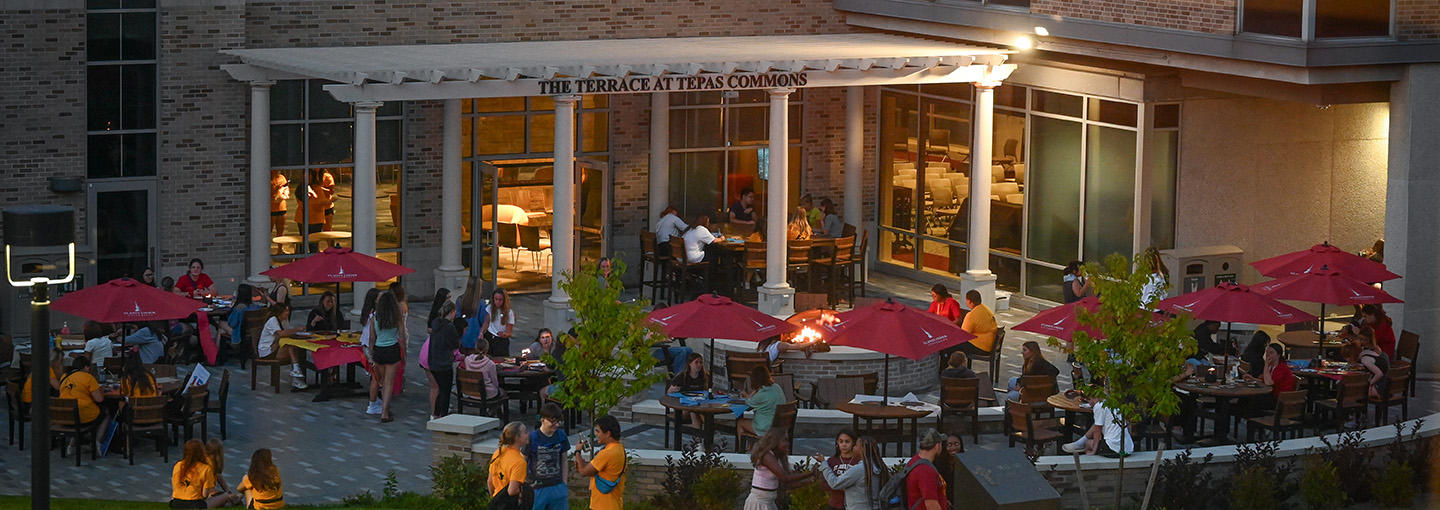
(193, 480)
(261, 485)
(862, 481)
(508, 468)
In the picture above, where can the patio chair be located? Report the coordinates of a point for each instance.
(784, 418)
(657, 280)
(221, 404)
(806, 301)
(65, 424)
(1351, 395)
(272, 361)
(1407, 351)
(1288, 409)
(1037, 388)
(870, 379)
(19, 412)
(797, 259)
(739, 364)
(961, 397)
(190, 414)
(683, 269)
(1021, 426)
(470, 390)
(530, 241)
(993, 360)
(835, 271)
(146, 417)
(1399, 395)
(834, 390)
(755, 263)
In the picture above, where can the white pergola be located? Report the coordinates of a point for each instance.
(367, 76)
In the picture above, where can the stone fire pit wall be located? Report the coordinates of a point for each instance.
(905, 375)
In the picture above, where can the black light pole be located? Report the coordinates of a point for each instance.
(40, 227)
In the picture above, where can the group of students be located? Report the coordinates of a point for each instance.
(979, 320)
(529, 468)
(197, 482)
(805, 222)
(856, 476)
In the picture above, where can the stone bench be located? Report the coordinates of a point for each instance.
(825, 422)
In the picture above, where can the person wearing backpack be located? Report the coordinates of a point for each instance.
(607, 468)
(923, 488)
(545, 458)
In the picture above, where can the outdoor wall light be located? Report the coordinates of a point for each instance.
(37, 229)
(1023, 42)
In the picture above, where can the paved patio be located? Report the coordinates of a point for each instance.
(330, 450)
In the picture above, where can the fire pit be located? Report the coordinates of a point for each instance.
(809, 338)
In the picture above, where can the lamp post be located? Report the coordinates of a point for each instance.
(36, 228)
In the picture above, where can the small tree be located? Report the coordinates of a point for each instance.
(609, 357)
(1139, 356)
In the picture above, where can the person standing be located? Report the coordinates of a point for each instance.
(279, 195)
(772, 470)
(607, 469)
(1074, 286)
(861, 483)
(545, 457)
(444, 341)
(847, 455)
(979, 321)
(507, 469)
(385, 338)
(924, 487)
(500, 325)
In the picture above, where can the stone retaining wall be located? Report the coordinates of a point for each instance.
(905, 375)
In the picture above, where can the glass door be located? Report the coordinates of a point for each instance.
(121, 226)
(484, 191)
(592, 211)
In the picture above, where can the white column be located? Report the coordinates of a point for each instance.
(1413, 180)
(978, 276)
(364, 189)
(776, 297)
(451, 274)
(659, 155)
(558, 314)
(854, 153)
(259, 179)
(1144, 179)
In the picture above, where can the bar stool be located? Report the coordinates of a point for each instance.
(797, 259)
(754, 264)
(682, 269)
(833, 268)
(659, 280)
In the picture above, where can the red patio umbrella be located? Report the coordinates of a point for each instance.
(339, 265)
(1326, 286)
(894, 329)
(1231, 303)
(1324, 255)
(125, 300)
(1063, 321)
(713, 316)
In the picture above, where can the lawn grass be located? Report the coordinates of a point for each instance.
(23, 503)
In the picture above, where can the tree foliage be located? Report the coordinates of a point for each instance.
(1141, 353)
(609, 357)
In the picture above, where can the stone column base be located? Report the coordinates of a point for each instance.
(558, 316)
(985, 283)
(453, 280)
(254, 279)
(777, 302)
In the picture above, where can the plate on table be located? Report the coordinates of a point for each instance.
(303, 334)
(735, 401)
(912, 403)
(207, 309)
(693, 393)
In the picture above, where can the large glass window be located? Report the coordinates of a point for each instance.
(719, 147)
(312, 157)
(121, 90)
(1163, 154)
(1332, 18)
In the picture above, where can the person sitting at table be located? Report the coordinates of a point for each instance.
(1375, 317)
(1276, 374)
(1033, 363)
(261, 485)
(193, 481)
(670, 225)
(762, 397)
(942, 304)
(1205, 339)
(233, 327)
(830, 223)
(1376, 363)
(57, 358)
(279, 291)
(692, 378)
(812, 213)
(479, 361)
(698, 241)
(1106, 437)
(150, 339)
(798, 229)
(743, 210)
(195, 283)
(325, 316)
(979, 321)
(957, 367)
(167, 284)
(98, 342)
(81, 386)
(135, 381)
(148, 278)
(1254, 353)
(545, 343)
(276, 317)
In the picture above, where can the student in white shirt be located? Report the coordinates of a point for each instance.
(1106, 436)
(698, 239)
(98, 344)
(670, 225)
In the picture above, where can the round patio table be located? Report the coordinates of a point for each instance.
(872, 412)
(676, 409)
(1223, 394)
(1308, 339)
(524, 380)
(1073, 407)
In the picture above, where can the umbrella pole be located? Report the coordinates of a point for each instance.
(886, 394)
(1229, 337)
(711, 360)
(1320, 326)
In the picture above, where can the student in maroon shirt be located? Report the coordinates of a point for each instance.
(924, 489)
(838, 464)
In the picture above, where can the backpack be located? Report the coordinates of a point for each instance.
(893, 494)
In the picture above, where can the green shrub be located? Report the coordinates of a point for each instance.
(683, 474)
(809, 497)
(461, 483)
(718, 489)
(1254, 489)
(1320, 485)
(1394, 488)
(1185, 484)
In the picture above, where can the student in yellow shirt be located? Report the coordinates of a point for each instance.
(135, 381)
(261, 486)
(507, 469)
(55, 360)
(193, 481)
(981, 323)
(81, 386)
(607, 469)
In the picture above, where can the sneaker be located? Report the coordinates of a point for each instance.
(298, 374)
(1072, 448)
(374, 408)
(299, 383)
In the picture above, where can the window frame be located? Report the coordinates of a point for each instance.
(121, 62)
(1308, 11)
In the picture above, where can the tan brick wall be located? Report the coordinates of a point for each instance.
(1417, 19)
(1208, 16)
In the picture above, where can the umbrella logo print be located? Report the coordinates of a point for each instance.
(137, 307)
(762, 327)
(665, 320)
(932, 338)
(138, 312)
(341, 274)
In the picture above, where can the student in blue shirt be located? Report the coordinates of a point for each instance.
(545, 456)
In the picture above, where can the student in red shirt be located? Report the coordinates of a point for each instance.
(195, 283)
(1375, 317)
(924, 489)
(942, 304)
(1276, 374)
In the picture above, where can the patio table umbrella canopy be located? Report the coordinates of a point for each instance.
(1326, 286)
(1324, 255)
(712, 316)
(1063, 321)
(1231, 303)
(338, 265)
(125, 300)
(894, 329)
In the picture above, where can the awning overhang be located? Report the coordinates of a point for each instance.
(619, 66)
